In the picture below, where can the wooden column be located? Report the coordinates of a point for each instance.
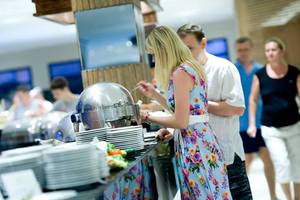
(290, 34)
(127, 75)
(242, 17)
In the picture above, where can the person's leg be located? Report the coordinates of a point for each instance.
(286, 188)
(161, 180)
(279, 155)
(293, 142)
(297, 191)
(248, 161)
(250, 148)
(238, 180)
(269, 170)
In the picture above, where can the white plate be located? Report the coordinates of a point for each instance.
(61, 195)
(126, 127)
(69, 149)
(72, 182)
(125, 132)
(26, 150)
(69, 158)
(21, 159)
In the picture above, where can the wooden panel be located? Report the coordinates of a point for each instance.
(290, 35)
(127, 75)
(150, 18)
(253, 15)
(47, 7)
(92, 4)
(242, 13)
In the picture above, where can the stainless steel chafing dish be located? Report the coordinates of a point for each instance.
(30, 131)
(105, 105)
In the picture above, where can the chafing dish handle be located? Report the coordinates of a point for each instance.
(75, 119)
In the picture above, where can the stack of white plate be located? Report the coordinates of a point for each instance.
(150, 138)
(85, 137)
(23, 162)
(61, 195)
(129, 137)
(103, 166)
(26, 150)
(71, 165)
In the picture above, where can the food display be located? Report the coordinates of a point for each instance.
(117, 159)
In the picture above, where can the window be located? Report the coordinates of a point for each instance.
(218, 47)
(70, 70)
(11, 79)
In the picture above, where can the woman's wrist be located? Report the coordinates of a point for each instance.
(147, 116)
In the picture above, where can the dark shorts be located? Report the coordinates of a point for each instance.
(252, 145)
(238, 180)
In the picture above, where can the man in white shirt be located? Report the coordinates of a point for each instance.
(226, 104)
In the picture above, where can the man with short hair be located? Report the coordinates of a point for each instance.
(247, 68)
(25, 106)
(66, 101)
(226, 104)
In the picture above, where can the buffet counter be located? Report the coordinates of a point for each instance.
(53, 171)
(100, 151)
(137, 181)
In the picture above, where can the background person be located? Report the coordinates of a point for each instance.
(200, 164)
(25, 106)
(278, 83)
(247, 68)
(66, 101)
(37, 93)
(225, 105)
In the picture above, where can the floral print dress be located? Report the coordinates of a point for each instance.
(200, 164)
(137, 184)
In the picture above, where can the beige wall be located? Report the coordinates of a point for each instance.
(253, 15)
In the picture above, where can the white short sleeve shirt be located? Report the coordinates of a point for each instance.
(224, 84)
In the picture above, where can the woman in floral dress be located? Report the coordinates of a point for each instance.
(201, 168)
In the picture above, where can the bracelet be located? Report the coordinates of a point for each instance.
(147, 116)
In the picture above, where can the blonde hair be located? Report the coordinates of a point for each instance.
(170, 52)
(278, 41)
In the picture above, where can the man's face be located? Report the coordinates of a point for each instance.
(193, 44)
(23, 96)
(58, 94)
(244, 51)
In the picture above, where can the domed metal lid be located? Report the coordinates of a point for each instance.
(102, 95)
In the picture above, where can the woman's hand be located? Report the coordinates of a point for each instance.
(164, 134)
(146, 89)
(251, 131)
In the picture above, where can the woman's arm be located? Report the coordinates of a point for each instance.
(161, 100)
(221, 108)
(149, 91)
(183, 83)
(253, 99)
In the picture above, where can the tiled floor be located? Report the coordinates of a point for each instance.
(258, 183)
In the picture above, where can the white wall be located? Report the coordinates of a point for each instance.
(38, 59)
(227, 28)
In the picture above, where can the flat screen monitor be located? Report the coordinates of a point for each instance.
(218, 47)
(108, 36)
(70, 70)
(12, 78)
